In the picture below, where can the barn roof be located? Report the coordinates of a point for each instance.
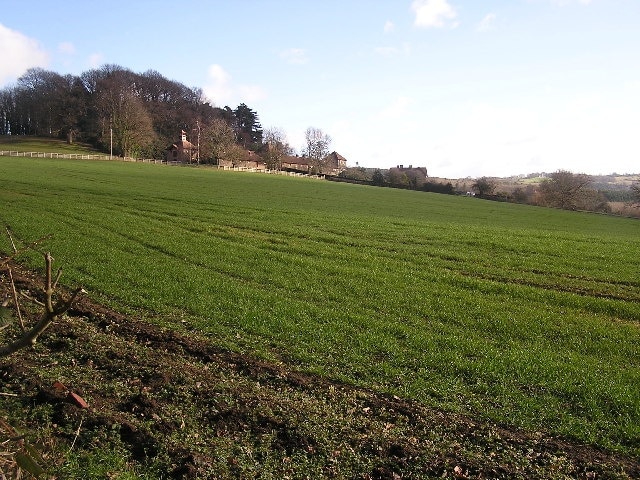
(182, 144)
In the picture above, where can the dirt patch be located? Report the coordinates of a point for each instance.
(180, 405)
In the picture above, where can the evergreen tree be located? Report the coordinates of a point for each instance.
(248, 128)
(378, 178)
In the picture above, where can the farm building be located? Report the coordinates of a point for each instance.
(333, 164)
(413, 177)
(181, 151)
(249, 159)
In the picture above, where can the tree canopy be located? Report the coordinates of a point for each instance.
(276, 148)
(635, 191)
(484, 186)
(316, 148)
(571, 191)
(248, 128)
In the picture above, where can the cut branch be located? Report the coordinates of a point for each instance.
(50, 314)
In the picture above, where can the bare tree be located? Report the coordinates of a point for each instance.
(635, 191)
(523, 194)
(235, 154)
(37, 95)
(122, 111)
(132, 126)
(484, 186)
(316, 148)
(216, 140)
(567, 190)
(397, 178)
(52, 309)
(276, 148)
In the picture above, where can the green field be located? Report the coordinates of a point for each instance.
(522, 315)
(22, 143)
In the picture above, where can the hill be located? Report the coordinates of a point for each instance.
(23, 143)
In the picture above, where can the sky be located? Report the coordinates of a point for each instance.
(466, 88)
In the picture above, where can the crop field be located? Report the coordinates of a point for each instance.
(526, 316)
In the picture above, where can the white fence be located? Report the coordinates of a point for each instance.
(266, 170)
(81, 156)
(76, 156)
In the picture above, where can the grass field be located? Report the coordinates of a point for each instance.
(523, 315)
(20, 143)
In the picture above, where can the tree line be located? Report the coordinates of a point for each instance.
(565, 190)
(561, 189)
(131, 114)
(140, 114)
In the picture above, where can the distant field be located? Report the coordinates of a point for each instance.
(524, 315)
(21, 143)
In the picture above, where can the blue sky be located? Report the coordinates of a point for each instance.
(463, 87)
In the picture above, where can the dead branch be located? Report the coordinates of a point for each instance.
(17, 252)
(76, 437)
(58, 275)
(15, 300)
(52, 310)
(31, 299)
(13, 245)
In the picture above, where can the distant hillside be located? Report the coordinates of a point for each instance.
(24, 143)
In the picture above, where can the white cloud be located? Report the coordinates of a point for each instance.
(19, 53)
(486, 23)
(67, 48)
(251, 93)
(221, 90)
(396, 110)
(433, 13)
(489, 139)
(95, 60)
(343, 138)
(389, 26)
(386, 51)
(295, 56)
(218, 87)
(589, 132)
(562, 3)
(393, 51)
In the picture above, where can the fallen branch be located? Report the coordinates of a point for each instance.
(76, 437)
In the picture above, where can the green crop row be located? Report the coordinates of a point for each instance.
(523, 315)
